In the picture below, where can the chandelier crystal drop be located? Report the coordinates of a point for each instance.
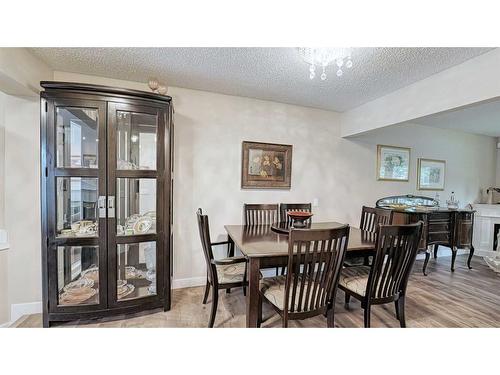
(323, 57)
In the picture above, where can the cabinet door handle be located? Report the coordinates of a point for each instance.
(101, 204)
(111, 206)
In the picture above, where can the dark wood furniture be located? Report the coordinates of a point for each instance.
(386, 280)
(223, 273)
(285, 207)
(315, 259)
(442, 226)
(260, 214)
(371, 219)
(265, 248)
(106, 162)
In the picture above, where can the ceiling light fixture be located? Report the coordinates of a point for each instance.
(323, 57)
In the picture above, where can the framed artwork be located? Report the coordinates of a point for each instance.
(393, 163)
(266, 166)
(430, 174)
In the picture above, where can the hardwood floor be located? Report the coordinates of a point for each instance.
(465, 298)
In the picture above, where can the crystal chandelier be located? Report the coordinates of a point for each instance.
(323, 57)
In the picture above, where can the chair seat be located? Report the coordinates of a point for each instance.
(273, 288)
(355, 279)
(230, 273)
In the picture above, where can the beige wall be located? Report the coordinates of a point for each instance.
(4, 296)
(22, 198)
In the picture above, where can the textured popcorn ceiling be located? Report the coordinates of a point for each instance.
(277, 74)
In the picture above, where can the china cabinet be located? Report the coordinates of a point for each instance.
(106, 185)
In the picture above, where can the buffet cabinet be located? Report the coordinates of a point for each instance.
(441, 226)
(106, 187)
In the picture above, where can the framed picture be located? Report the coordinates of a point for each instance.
(266, 166)
(393, 163)
(430, 174)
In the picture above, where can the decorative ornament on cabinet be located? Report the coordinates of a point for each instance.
(157, 87)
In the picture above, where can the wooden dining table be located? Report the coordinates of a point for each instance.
(264, 247)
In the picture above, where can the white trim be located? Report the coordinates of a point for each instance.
(5, 325)
(20, 309)
(189, 282)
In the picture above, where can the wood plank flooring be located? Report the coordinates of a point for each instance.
(465, 298)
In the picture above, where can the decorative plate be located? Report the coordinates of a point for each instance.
(68, 298)
(125, 291)
(91, 273)
(77, 285)
(143, 225)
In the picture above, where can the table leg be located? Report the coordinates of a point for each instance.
(253, 292)
(230, 247)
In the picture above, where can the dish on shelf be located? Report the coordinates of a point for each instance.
(138, 224)
(82, 228)
(91, 273)
(70, 298)
(133, 273)
(143, 225)
(79, 286)
(124, 290)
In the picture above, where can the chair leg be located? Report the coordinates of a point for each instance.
(245, 291)
(215, 300)
(367, 315)
(453, 257)
(401, 308)
(330, 318)
(259, 312)
(436, 247)
(207, 289)
(396, 305)
(283, 270)
(426, 261)
(471, 253)
(284, 322)
(346, 300)
(228, 290)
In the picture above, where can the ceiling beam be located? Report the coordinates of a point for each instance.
(473, 81)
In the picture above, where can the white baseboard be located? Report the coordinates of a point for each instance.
(189, 282)
(19, 309)
(5, 325)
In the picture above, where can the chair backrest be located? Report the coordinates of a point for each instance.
(285, 207)
(396, 250)
(372, 218)
(206, 243)
(260, 214)
(315, 259)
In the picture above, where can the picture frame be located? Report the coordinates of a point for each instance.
(266, 165)
(431, 174)
(393, 163)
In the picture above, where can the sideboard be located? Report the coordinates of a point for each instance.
(452, 228)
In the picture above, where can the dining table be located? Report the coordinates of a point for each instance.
(266, 246)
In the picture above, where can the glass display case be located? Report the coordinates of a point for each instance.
(106, 208)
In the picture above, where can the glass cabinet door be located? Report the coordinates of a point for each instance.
(76, 228)
(136, 171)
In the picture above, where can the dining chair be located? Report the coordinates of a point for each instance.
(386, 280)
(260, 214)
(315, 258)
(222, 273)
(285, 207)
(371, 219)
